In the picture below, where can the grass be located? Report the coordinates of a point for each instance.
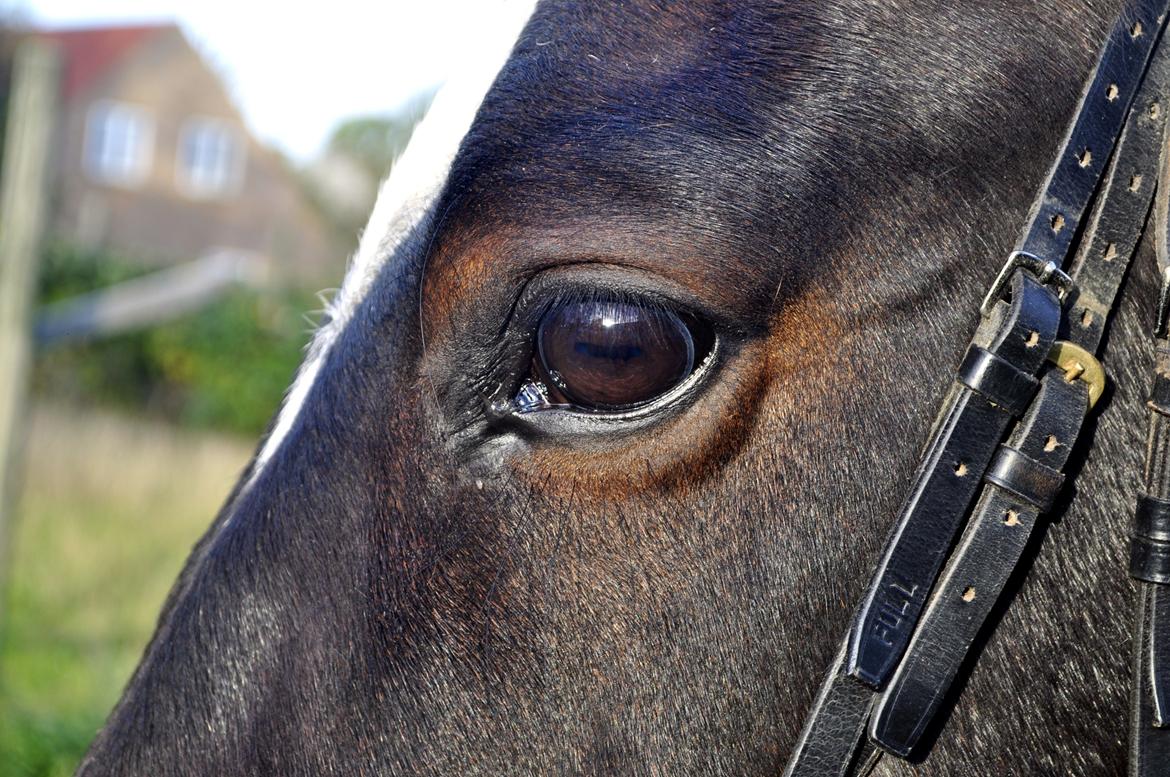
(109, 511)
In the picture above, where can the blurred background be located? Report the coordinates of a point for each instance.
(180, 183)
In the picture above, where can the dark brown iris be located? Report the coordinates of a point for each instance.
(604, 355)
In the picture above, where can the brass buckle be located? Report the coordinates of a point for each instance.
(1079, 364)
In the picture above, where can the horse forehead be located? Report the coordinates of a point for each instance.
(602, 93)
(737, 139)
(616, 126)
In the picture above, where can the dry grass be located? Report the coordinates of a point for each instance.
(110, 509)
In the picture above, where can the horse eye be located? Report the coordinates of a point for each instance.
(606, 355)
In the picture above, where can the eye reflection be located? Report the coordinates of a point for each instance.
(603, 354)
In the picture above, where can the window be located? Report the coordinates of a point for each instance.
(211, 159)
(119, 143)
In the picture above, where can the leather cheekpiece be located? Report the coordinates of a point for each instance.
(973, 505)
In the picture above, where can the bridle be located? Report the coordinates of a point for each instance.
(993, 464)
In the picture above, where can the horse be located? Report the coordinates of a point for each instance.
(470, 546)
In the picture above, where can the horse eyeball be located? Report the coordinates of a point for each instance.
(606, 355)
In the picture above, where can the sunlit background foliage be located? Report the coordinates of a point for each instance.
(133, 441)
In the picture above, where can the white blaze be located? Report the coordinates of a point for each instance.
(406, 195)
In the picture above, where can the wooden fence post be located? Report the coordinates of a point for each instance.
(23, 183)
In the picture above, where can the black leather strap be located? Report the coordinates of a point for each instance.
(978, 572)
(990, 391)
(1149, 557)
(1152, 518)
(1149, 741)
(965, 439)
(1072, 181)
(1120, 215)
(1025, 478)
(832, 740)
(1158, 655)
(927, 524)
(1149, 560)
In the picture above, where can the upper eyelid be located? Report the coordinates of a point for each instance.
(602, 282)
(588, 295)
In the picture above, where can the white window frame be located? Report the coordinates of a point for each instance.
(221, 179)
(126, 163)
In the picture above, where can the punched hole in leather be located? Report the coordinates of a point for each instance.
(962, 444)
(1018, 490)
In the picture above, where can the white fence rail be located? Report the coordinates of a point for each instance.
(148, 300)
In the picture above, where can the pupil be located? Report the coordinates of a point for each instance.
(609, 354)
(615, 352)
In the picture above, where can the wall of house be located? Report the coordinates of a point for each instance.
(158, 219)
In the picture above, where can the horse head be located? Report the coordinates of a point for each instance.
(606, 428)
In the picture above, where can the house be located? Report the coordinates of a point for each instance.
(154, 162)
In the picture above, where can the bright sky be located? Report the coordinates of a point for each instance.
(297, 68)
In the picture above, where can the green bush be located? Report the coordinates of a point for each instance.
(225, 366)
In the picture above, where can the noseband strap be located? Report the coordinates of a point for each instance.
(993, 466)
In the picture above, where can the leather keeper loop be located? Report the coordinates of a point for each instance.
(1160, 395)
(1035, 483)
(998, 380)
(1149, 560)
(1151, 521)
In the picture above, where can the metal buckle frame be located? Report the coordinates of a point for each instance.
(1047, 272)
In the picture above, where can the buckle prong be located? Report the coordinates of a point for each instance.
(1079, 364)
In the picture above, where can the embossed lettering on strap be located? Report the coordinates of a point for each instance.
(1000, 530)
(948, 478)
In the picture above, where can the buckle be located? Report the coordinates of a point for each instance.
(1079, 364)
(1048, 273)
